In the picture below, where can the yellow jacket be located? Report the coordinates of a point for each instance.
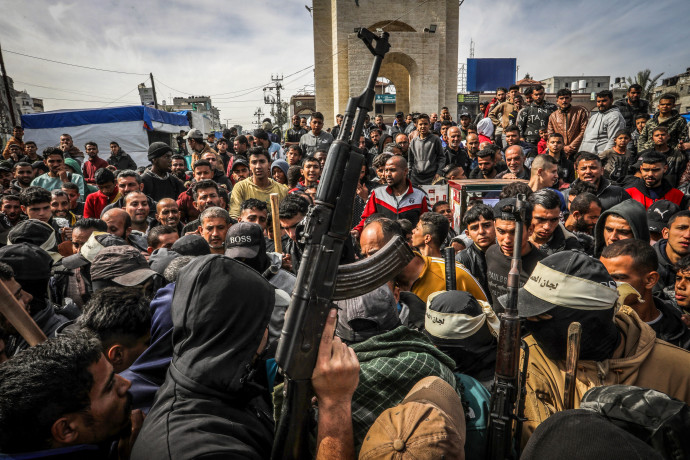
(640, 359)
(246, 189)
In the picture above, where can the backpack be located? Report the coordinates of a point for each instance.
(653, 417)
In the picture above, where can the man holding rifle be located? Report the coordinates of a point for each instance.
(616, 347)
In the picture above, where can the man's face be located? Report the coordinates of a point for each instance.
(423, 126)
(454, 137)
(622, 141)
(538, 96)
(678, 236)
(433, 118)
(514, 160)
(5, 179)
(202, 172)
(255, 216)
(289, 226)
(106, 189)
(30, 150)
(622, 269)
(445, 114)
(652, 174)
(321, 156)
(222, 146)
(616, 228)
(660, 138)
(665, 106)
(295, 121)
(371, 240)
(60, 206)
(55, 164)
(512, 93)
(110, 404)
(683, 288)
(550, 175)
(586, 222)
(164, 162)
(18, 133)
(375, 136)
(408, 119)
(40, 211)
(239, 148)
(128, 184)
(303, 123)
(137, 206)
(240, 172)
(293, 157)
(505, 235)
(24, 175)
(512, 137)
(206, 197)
(604, 103)
(378, 120)
(465, 121)
(456, 174)
(444, 131)
(92, 151)
(564, 101)
(12, 209)
(311, 171)
(634, 95)
(403, 142)
(73, 197)
(394, 173)
(482, 233)
(79, 237)
(472, 142)
(518, 102)
(178, 166)
(486, 165)
(114, 149)
(501, 96)
(544, 222)
(316, 125)
(15, 151)
(214, 229)
(419, 236)
(166, 241)
(116, 224)
(66, 143)
(259, 166)
(555, 144)
(589, 171)
(640, 124)
(445, 210)
(278, 175)
(168, 213)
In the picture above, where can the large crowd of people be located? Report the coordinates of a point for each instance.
(162, 288)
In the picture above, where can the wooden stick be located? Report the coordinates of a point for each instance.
(573, 353)
(275, 220)
(19, 318)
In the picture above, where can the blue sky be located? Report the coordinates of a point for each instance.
(222, 48)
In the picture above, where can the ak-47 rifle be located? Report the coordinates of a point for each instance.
(327, 227)
(449, 261)
(507, 397)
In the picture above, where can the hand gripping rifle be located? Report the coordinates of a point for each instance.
(319, 280)
(508, 395)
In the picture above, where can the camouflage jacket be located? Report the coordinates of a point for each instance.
(677, 130)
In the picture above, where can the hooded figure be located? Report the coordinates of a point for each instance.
(485, 129)
(630, 210)
(213, 404)
(466, 330)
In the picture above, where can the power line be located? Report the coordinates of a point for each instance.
(73, 65)
(81, 93)
(75, 100)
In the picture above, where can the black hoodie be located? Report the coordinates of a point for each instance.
(630, 210)
(211, 404)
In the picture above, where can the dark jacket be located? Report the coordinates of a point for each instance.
(161, 187)
(221, 179)
(148, 371)
(533, 118)
(426, 159)
(633, 212)
(474, 260)
(122, 161)
(629, 112)
(670, 328)
(46, 319)
(666, 270)
(561, 240)
(646, 196)
(213, 403)
(457, 157)
(609, 194)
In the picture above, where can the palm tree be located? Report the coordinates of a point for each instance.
(646, 81)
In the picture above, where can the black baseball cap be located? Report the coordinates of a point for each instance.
(239, 161)
(244, 239)
(123, 265)
(399, 114)
(6, 166)
(28, 261)
(659, 213)
(191, 245)
(367, 315)
(161, 258)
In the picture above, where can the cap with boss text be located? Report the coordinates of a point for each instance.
(244, 239)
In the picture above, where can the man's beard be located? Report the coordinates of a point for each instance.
(582, 226)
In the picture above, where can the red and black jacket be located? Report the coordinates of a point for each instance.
(641, 194)
(409, 206)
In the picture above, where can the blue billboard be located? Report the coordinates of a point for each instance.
(489, 74)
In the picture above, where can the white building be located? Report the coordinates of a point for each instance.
(26, 104)
(577, 84)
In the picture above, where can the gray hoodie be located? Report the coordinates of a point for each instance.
(601, 129)
(630, 210)
(426, 159)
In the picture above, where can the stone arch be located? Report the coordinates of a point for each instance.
(392, 26)
(401, 70)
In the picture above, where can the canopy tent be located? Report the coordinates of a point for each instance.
(128, 126)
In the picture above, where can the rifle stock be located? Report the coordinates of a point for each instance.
(449, 261)
(506, 395)
(326, 228)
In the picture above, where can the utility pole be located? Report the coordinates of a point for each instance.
(275, 101)
(153, 88)
(258, 114)
(8, 92)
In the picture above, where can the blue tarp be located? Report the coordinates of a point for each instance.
(488, 74)
(65, 118)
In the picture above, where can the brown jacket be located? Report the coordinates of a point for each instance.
(196, 156)
(12, 141)
(640, 359)
(571, 125)
(503, 109)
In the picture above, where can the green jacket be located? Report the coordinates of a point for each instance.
(677, 130)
